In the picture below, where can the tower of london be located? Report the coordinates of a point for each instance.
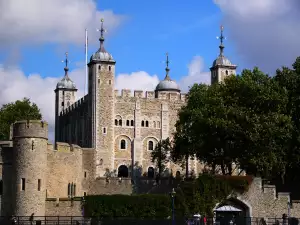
(103, 141)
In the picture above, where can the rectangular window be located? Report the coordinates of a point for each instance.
(39, 184)
(62, 103)
(84, 193)
(104, 130)
(23, 184)
(84, 174)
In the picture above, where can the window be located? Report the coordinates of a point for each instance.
(63, 92)
(32, 144)
(69, 189)
(109, 68)
(147, 123)
(84, 193)
(120, 122)
(104, 130)
(84, 174)
(1, 187)
(154, 124)
(150, 146)
(39, 184)
(98, 81)
(158, 124)
(116, 122)
(127, 123)
(62, 104)
(132, 123)
(123, 144)
(99, 67)
(143, 123)
(109, 82)
(226, 72)
(23, 184)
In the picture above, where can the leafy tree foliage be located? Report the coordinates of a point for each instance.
(19, 110)
(240, 121)
(160, 155)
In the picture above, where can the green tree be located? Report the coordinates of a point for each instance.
(15, 111)
(241, 120)
(160, 154)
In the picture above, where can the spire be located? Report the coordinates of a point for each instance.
(221, 41)
(167, 77)
(66, 61)
(101, 39)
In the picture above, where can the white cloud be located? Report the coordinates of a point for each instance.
(34, 21)
(16, 85)
(195, 75)
(265, 32)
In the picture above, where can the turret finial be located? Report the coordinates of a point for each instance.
(66, 61)
(101, 30)
(167, 67)
(221, 41)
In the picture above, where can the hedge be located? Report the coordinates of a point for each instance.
(129, 206)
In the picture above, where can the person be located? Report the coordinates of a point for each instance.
(204, 220)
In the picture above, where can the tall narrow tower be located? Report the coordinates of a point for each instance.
(65, 96)
(101, 106)
(30, 140)
(222, 67)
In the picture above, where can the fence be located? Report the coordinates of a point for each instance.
(79, 220)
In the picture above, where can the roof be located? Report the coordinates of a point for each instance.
(227, 208)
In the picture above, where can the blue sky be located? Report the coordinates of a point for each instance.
(151, 29)
(35, 34)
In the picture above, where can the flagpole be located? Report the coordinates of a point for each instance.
(86, 61)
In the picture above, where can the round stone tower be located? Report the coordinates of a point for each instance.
(30, 139)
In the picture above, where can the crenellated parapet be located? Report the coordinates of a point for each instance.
(139, 94)
(30, 129)
(64, 147)
(74, 106)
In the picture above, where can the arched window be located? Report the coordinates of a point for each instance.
(99, 67)
(150, 146)
(123, 171)
(151, 172)
(69, 189)
(127, 123)
(226, 72)
(123, 144)
(143, 123)
(116, 122)
(120, 122)
(131, 123)
(147, 123)
(154, 124)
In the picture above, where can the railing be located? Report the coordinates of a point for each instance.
(79, 220)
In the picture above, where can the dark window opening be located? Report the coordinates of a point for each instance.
(123, 171)
(109, 68)
(116, 122)
(109, 82)
(123, 144)
(104, 130)
(226, 72)
(32, 145)
(62, 104)
(69, 189)
(151, 172)
(120, 122)
(132, 124)
(143, 123)
(84, 193)
(63, 92)
(39, 184)
(84, 174)
(98, 81)
(23, 184)
(99, 67)
(127, 123)
(150, 145)
(147, 124)
(1, 187)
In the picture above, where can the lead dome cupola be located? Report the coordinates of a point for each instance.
(167, 84)
(66, 82)
(102, 55)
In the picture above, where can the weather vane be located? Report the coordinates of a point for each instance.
(221, 37)
(66, 61)
(102, 30)
(167, 62)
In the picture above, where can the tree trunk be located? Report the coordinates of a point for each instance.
(186, 166)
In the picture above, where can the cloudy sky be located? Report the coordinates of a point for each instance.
(35, 34)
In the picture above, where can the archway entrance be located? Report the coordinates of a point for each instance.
(151, 172)
(123, 171)
(232, 210)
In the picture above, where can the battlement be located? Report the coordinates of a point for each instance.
(74, 106)
(30, 129)
(63, 147)
(172, 96)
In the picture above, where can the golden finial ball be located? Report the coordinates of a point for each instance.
(102, 20)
